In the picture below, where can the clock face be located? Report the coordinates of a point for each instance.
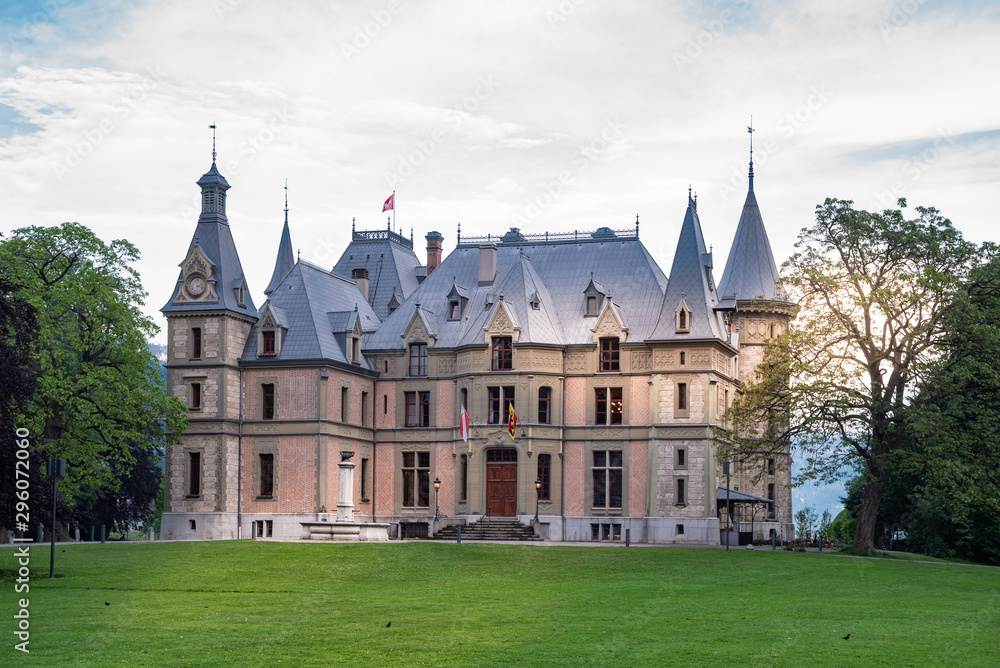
(196, 286)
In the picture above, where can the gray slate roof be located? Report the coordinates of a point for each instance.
(284, 262)
(313, 302)
(391, 267)
(213, 236)
(750, 270)
(740, 497)
(690, 280)
(558, 271)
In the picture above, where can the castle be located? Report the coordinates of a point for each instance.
(618, 376)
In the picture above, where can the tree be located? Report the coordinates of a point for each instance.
(871, 289)
(805, 519)
(99, 389)
(18, 329)
(823, 528)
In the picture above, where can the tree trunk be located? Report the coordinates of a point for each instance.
(871, 497)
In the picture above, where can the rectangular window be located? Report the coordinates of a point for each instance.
(418, 359)
(770, 495)
(591, 305)
(609, 354)
(607, 475)
(683, 359)
(195, 396)
(681, 492)
(503, 353)
(196, 343)
(544, 404)
(267, 475)
(500, 399)
(544, 473)
(681, 457)
(364, 409)
(608, 405)
(463, 483)
(343, 405)
(453, 311)
(682, 396)
(770, 467)
(267, 404)
(268, 343)
(355, 347)
(194, 474)
(418, 409)
(682, 322)
(364, 479)
(416, 479)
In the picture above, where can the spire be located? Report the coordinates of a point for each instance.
(691, 287)
(286, 258)
(750, 269)
(750, 131)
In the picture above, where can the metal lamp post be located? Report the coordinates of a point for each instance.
(437, 486)
(538, 496)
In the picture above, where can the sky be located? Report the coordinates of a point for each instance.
(555, 115)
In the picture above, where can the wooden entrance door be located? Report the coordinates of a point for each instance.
(501, 482)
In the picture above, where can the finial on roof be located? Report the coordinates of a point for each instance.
(411, 234)
(286, 201)
(458, 239)
(212, 126)
(388, 223)
(750, 131)
(300, 254)
(352, 225)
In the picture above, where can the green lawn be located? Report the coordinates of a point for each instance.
(264, 604)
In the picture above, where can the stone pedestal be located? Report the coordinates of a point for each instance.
(345, 502)
(345, 529)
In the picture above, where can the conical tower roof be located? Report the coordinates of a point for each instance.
(751, 273)
(690, 286)
(285, 260)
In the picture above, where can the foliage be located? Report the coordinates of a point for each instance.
(842, 527)
(871, 288)
(99, 390)
(823, 528)
(805, 520)
(132, 501)
(259, 603)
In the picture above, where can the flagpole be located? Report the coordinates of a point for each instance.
(393, 209)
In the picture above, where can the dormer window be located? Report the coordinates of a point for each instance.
(683, 317)
(453, 310)
(355, 350)
(592, 305)
(240, 296)
(269, 343)
(503, 354)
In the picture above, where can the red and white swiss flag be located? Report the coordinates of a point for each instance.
(389, 203)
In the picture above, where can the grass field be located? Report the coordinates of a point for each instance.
(267, 604)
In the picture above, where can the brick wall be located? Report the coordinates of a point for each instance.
(385, 406)
(444, 467)
(576, 401)
(639, 408)
(637, 463)
(294, 473)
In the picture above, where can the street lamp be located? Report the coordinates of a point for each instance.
(538, 495)
(437, 486)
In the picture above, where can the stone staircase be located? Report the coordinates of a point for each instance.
(495, 528)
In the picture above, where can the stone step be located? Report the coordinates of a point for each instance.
(493, 529)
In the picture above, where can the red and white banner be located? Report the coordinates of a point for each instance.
(465, 422)
(389, 203)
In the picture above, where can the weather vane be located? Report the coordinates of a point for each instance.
(212, 127)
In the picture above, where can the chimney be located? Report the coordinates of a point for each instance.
(487, 263)
(434, 240)
(360, 277)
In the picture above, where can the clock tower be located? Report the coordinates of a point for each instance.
(209, 316)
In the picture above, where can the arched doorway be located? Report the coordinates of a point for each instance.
(501, 482)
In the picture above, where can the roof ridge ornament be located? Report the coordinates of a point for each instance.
(750, 132)
(212, 127)
(286, 202)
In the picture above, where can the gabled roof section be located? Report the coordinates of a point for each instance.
(284, 262)
(307, 296)
(555, 272)
(391, 264)
(610, 323)
(750, 270)
(271, 315)
(691, 282)
(458, 292)
(421, 328)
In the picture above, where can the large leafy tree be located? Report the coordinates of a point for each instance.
(871, 288)
(98, 387)
(18, 329)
